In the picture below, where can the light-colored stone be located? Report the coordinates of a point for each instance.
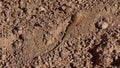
(3, 57)
(104, 25)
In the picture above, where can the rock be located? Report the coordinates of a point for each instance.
(3, 57)
(101, 25)
(104, 25)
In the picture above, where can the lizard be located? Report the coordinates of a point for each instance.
(75, 20)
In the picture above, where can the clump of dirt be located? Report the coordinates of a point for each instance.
(59, 34)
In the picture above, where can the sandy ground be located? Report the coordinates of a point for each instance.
(59, 33)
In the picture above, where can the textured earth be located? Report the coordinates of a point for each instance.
(59, 33)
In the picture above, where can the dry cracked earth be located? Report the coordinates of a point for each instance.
(59, 33)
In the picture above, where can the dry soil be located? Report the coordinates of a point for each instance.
(59, 33)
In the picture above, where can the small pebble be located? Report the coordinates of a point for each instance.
(104, 25)
(63, 7)
(3, 57)
(42, 8)
(101, 25)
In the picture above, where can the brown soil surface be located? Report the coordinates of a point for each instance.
(59, 33)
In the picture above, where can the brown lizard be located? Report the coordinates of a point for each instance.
(75, 20)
